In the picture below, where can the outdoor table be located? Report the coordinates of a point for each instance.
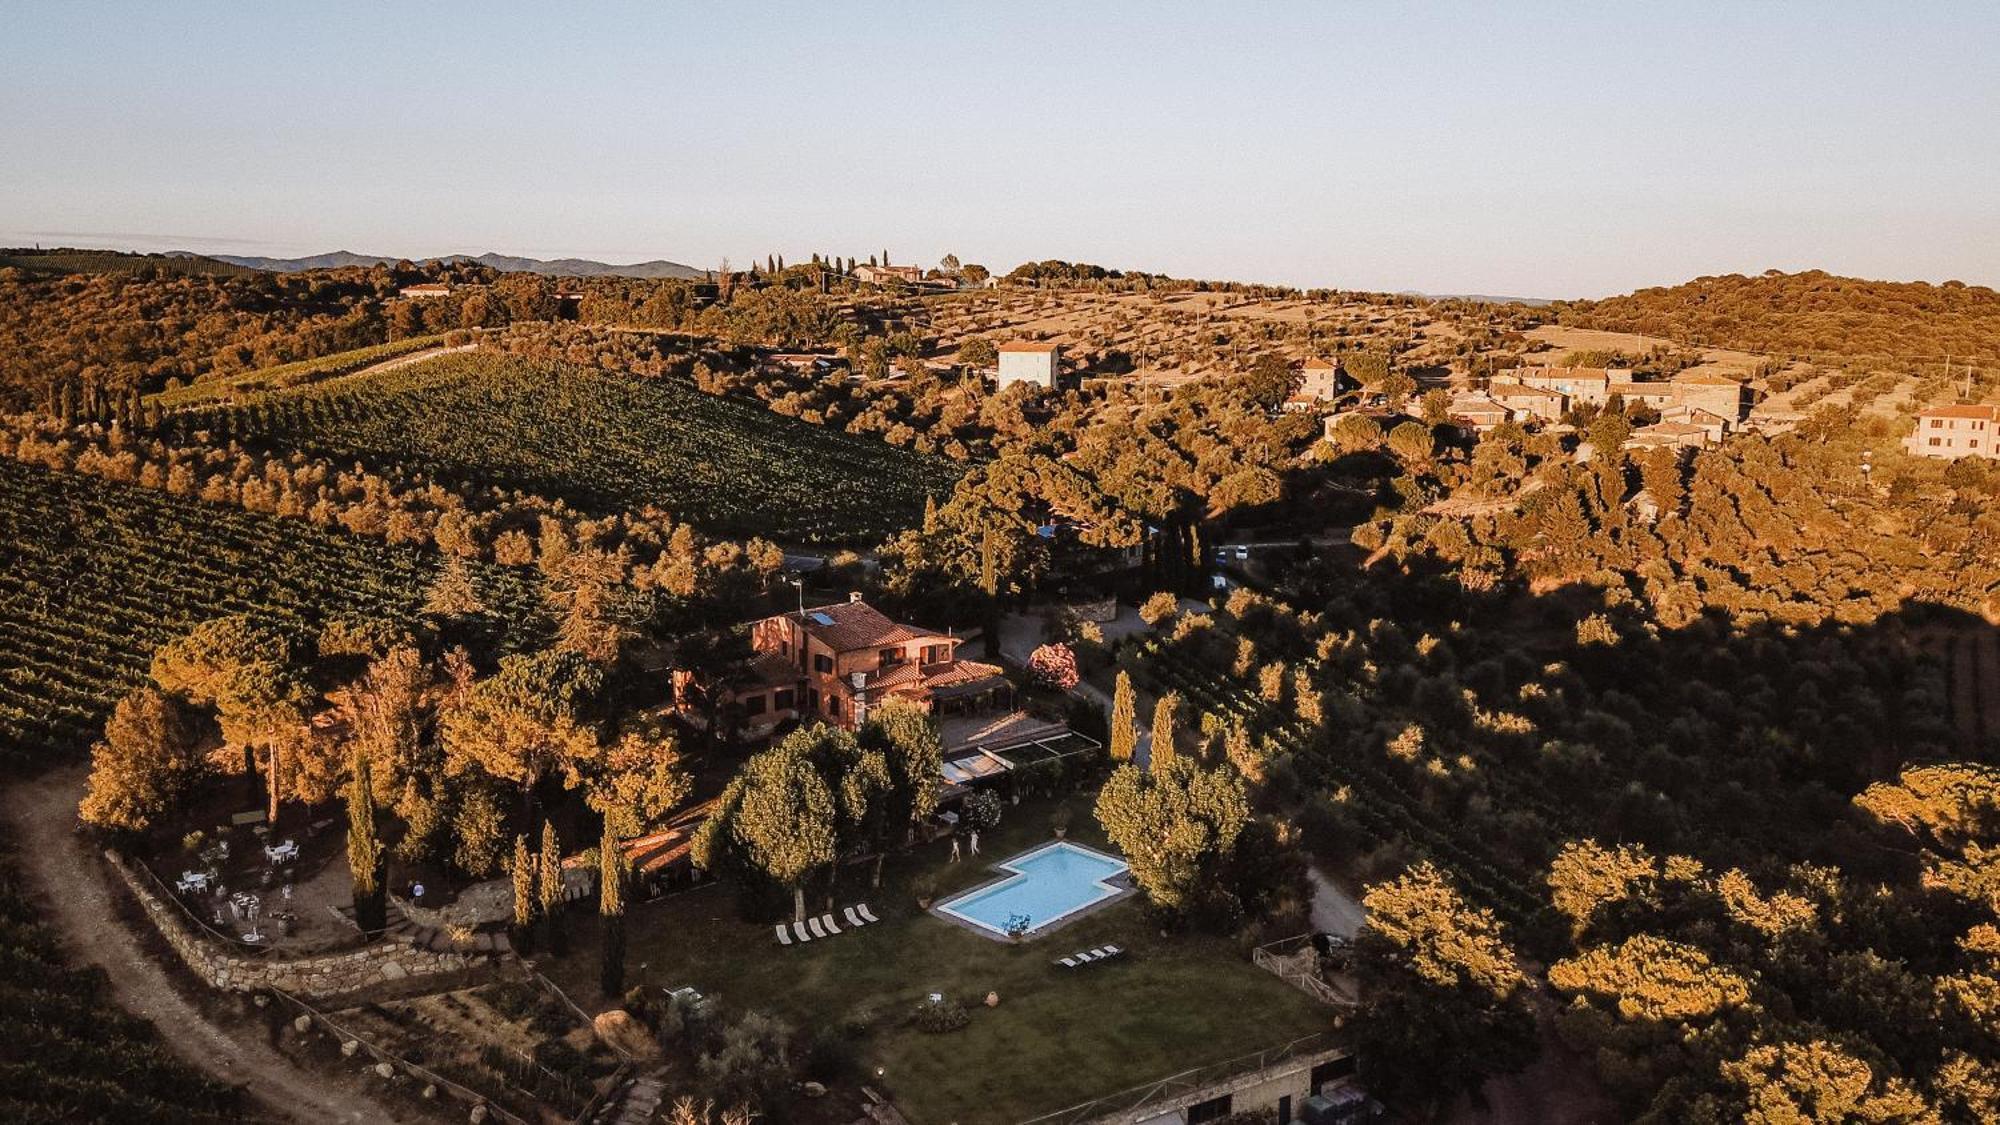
(191, 881)
(282, 852)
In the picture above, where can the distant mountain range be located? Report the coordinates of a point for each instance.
(560, 267)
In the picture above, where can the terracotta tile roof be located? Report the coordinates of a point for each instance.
(1637, 390)
(1975, 413)
(657, 851)
(1672, 429)
(930, 677)
(1572, 374)
(772, 670)
(847, 626)
(1318, 364)
(1706, 379)
(1026, 346)
(1510, 390)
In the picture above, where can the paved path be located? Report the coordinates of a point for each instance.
(1334, 911)
(63, 867)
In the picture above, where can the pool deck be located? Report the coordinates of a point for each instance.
(1121, 883)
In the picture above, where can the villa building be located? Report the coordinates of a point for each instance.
(1023, 361)
(835, 662)
(1524, 401)
(1717, 395)
(427, 289)
(1480, 412)
(1956, 431)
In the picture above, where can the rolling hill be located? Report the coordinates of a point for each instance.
(558, 267)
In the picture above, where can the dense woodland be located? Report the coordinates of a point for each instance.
(1652, 757)
(1811, 315)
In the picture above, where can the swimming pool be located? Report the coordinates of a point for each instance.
(1048, 884)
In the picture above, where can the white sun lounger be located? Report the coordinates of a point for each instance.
(799, 931)
(827, 921)
(813, 925)
(1083, 958)
(865, 915)
(1112, 951)
(1098, 954)
(1066, 962)
(851, 919)
(784, 938)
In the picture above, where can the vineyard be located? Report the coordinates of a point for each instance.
(294, 374)
(97, 575)
(600, 441)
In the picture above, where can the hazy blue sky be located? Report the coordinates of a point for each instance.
(1531, 149)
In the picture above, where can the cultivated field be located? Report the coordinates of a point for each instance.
(603, 442)
(99, 575)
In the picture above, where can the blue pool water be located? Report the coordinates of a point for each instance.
(1048, 884)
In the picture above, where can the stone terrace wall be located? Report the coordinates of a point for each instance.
(386, 962)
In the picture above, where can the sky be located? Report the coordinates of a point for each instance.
(1518, 149)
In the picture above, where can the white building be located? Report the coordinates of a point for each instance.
(1956, 431)
(1025, 362)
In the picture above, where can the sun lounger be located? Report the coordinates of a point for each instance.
(1098, 954)
(851, 919)
(813, 925)
(827, 921)
(1083, 958)
(799, 931)
(784, 937)
(1113, 951)
(1066, 962)
(865, 915)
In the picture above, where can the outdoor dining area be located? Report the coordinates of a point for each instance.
(243, 913)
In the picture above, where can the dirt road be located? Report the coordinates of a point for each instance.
(70, 879)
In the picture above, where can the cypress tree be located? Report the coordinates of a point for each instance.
(611, 907)
(1163, 731)
(364, 851)
(551, 890)
(524, 898)
(1124, 719)
(930, 513)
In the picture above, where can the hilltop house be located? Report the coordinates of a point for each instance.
(1023, 361)
(1480, 412)
(1956, 431)
(879, 275)
(427, 289)
(1526, 402)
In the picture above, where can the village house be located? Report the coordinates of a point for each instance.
(427, 289)
(1670, 435)
(1718, 394)
(1023, 361)
(879, 275)
(1479, 412)
(1956, 431)
(1529, 402)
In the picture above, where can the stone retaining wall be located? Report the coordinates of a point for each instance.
(383, 962)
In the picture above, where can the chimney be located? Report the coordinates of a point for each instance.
(854, 597)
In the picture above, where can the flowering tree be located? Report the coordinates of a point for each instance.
(1053, 666)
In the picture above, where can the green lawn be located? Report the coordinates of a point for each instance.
(1058, 1036)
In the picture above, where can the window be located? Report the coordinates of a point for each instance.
(1214, 1109)
(822, 662)
(1937, 423)
(890, 657)
(833, 706)
(936, 654)
(754, 704)
(1937, 441)
(783, 700)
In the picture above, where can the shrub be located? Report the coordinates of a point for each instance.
(938, 1016)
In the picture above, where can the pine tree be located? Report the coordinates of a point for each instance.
(1163, 731)
(550, 885)
(452, 593)
(1124, 719)
(364, 851)
(611, 907)
(930, 513)
(524, 898)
